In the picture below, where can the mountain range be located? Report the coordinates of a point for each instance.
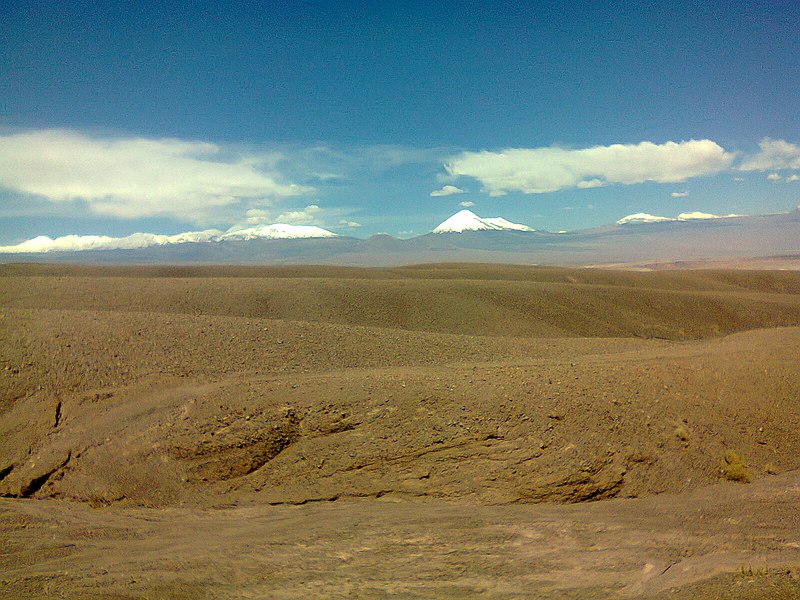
(464, 237)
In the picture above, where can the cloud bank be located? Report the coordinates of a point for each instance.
(138, 177)
(309, 215)
(542, 170)
(312, 214)
(774, 155)
(349, 224)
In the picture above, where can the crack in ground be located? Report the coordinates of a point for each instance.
(35, 484)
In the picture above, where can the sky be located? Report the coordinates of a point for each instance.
(388, 117)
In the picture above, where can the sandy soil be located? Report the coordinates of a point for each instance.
(790, 262)
(613, 548)
(429, 431)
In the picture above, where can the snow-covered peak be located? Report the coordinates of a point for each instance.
(278, 231)
(466, 220)
(642, 218)
(687, 216)
(72, 243)
(506, 224)
(690, 216)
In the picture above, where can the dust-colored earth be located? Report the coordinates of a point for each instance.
(446, 430)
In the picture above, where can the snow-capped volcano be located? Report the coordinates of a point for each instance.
(466, 220)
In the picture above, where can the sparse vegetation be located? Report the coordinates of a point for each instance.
(734, 468)
(791, 573)
(749, 571)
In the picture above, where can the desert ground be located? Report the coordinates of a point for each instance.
(432, 431)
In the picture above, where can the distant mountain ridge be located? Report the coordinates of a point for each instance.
(479, 240)
(690, 216)
(76, 243)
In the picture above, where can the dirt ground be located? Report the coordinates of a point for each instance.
(432, 431)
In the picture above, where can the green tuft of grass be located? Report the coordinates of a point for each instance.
(734, 468)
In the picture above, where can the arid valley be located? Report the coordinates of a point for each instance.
(434, 431)
(410, 300)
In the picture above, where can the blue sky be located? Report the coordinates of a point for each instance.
(169, 117)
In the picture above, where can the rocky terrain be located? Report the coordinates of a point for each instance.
(440, 430)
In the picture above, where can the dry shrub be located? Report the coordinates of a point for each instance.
(734, 468)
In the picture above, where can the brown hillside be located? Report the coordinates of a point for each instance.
(472, 300)
(189, 389)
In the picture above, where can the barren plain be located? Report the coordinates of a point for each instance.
(435, 431)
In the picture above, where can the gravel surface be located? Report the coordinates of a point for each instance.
(424, 410)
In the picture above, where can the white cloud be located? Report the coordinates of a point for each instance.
(326, 176)
(541, 170)
(679, 194)
(447, 190)
(775, 155)
(774, 177)
(312, 214)
(793, 178)
(466, 204)
(309, 215)
(590, 183)
(350, 224)
(256, 216)
(138, 177)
